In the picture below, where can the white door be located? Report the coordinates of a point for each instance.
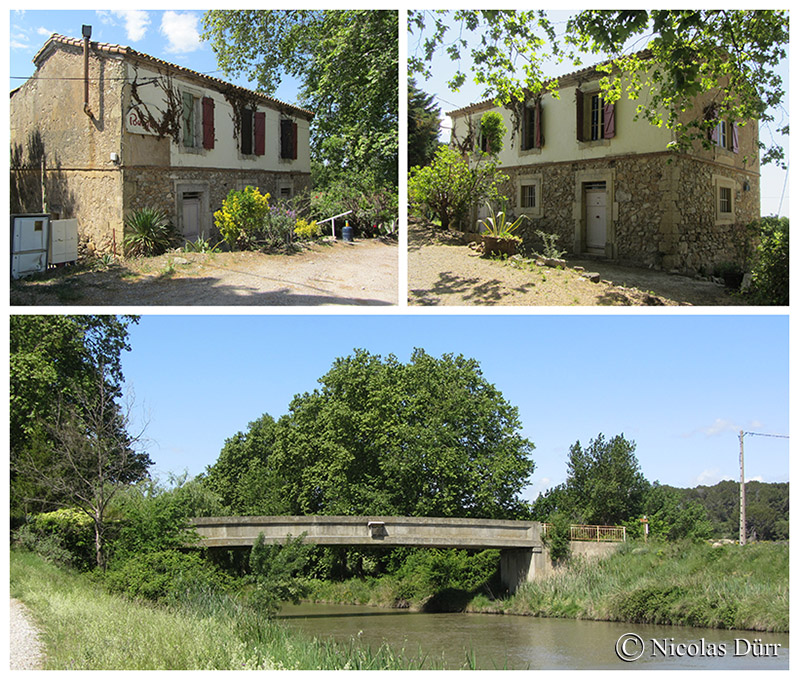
(191, 218)
(596, 218)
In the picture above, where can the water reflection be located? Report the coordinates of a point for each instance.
(513, 642)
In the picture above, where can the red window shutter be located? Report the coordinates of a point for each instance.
(259, 123)
(538, 140)
(609, 124)
(294, 140)
(208, 123)
(579, 115)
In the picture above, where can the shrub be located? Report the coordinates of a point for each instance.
(64, 537)
(273, 572)
(51, 548)
(149, 232)
(164, 575)
(492, 132)
(771, 270)
(371, 207)
(241, 219)
(450, 187)
(307, 230)
(558, 537)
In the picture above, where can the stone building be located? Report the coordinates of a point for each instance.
(100, 130)
(610, 186)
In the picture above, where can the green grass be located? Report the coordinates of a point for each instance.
(84, 627)
(725, 587)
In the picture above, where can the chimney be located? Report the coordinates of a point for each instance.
(87, 33)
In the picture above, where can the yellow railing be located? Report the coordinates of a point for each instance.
(594, 532)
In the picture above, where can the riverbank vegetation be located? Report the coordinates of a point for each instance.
(86, 627)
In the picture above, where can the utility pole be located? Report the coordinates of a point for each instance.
(742, 524)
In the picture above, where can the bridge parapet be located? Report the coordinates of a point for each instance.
(473, 533)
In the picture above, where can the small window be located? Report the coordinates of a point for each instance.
(253, 132)
(596, 128)
(595, 118)
(528, 196)
(189, 119)
(725, 200)
(288, 139)
(247, 131)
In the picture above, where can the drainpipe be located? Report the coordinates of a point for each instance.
(87, 33)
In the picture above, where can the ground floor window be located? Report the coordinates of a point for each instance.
(724, 199)
(529, 195)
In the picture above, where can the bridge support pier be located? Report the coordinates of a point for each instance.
(518, 566)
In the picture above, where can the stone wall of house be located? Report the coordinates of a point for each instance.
(154, 187)
(663, 211)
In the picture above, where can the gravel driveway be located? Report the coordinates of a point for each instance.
(444, 271)
(25, 646)
(333, 273)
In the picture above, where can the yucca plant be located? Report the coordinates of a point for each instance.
(498, 225)
(149, 232)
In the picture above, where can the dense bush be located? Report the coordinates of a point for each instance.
(64, 537)
(427, 572)
(557, 537)
(164, 575)
(373, 209)
(771, 269)
(274, 570)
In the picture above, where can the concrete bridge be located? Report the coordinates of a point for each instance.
(522, 553)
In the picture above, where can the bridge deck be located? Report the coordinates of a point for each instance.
(242, 531)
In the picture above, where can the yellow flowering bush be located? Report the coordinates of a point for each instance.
(241, 219)
(307, 230)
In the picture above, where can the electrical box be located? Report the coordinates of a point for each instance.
(63, 241)
(30, 237)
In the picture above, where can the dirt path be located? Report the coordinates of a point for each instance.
(361, 273)
(26, 649)
(443, 271)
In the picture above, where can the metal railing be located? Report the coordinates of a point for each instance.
(593, 532)
(333, 221)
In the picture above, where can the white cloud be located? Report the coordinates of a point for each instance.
(180, 30)
(136, 22)
(707, 477)
(44, 31)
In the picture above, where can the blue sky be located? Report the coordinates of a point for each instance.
(680, 386)
(774, 197)
(172, 35)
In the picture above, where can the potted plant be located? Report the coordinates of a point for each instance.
(497, 235)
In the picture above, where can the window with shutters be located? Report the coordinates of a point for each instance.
(726, 135)
(253, 132)
(724, 198)
(532, 136)
(197, 122)
(288, 139)
(594, 117)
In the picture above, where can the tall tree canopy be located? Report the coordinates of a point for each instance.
(347, 61)
(428, 438)
(423, 126)
(56, 361)
(734, 52)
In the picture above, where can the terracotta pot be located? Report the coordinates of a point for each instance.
(493, 245)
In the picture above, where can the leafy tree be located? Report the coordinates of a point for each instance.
(771, 269)
(93, 455)
(428, 438)
(734, 52)
(347, 61)
(274, 570)
(423, 126)
(54, 363)
(604, 481)
(451, 186)
(671, 516)
(492, 131)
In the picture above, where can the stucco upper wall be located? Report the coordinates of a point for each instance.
(50, 103)
(226, 151)
(559, 129)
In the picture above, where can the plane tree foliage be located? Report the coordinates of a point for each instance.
(346, 61)
(733, 52)
(431, 437)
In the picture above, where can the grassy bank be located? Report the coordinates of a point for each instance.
(727, 587)
(84, 627)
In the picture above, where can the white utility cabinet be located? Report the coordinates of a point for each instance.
(63, 241)
(30, 236)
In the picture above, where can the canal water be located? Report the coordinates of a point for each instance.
(445, 640)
